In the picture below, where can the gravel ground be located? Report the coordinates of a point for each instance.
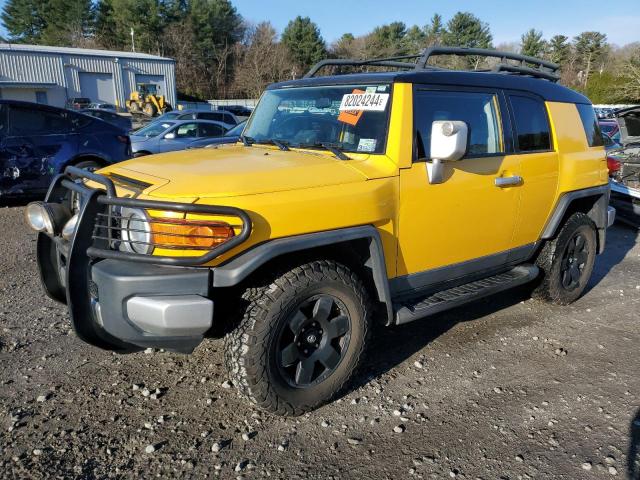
(505, 388)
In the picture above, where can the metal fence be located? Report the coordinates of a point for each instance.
(244, 102)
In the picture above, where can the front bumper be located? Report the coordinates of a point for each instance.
(124, 301)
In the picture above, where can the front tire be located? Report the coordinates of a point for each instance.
(567, 261)
(301, 338)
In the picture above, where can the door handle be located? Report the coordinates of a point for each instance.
(508, 181)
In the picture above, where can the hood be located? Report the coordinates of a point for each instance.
(237, 170)
(629, 122)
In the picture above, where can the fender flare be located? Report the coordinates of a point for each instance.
(240, 267)
(598, 212)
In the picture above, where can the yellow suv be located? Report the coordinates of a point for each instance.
(357, 197)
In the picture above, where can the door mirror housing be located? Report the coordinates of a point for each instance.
(448, 143)
(169, 136)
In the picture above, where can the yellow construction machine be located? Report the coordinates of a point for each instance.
(146, 100)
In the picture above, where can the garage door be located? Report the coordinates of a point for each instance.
(157, 80)
(97, 86)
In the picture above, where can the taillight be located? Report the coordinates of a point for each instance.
(614, 165)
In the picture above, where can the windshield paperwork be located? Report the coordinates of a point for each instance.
(350, 118)
(153, 130)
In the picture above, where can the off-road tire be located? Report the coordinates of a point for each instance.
(250, 348)
(149, 110)
(90, 165)
(550, 261)
(133, 107)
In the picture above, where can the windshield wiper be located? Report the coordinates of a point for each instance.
(332, 147)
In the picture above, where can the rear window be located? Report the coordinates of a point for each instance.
(531, 124)
(590, 124)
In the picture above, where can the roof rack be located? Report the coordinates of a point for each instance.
(528, 66)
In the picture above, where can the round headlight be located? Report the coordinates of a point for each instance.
(70, 227)
(39, 218)
(136, 231)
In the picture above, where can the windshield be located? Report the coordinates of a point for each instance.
(351, 117)
(236, 131)
(153, 130)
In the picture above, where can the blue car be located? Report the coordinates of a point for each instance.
(37, 142)
(227, 118)
(169, 136)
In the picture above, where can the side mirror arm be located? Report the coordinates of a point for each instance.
(435, 171)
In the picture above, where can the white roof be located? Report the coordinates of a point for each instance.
(78, 51)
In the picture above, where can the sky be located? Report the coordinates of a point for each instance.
(620, 20)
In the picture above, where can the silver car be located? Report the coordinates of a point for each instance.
(172, 135)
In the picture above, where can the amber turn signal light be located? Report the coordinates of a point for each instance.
(175, 233)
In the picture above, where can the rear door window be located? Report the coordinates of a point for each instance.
(590, 124)
(31, 121)
(210, 130)
(479, 110)
(531, 124)
(187, 130)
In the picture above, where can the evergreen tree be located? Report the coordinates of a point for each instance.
(589, 48)
(24, 20)
(304, 42)
(434, 31)
(466, 30)
(532, 44)
(559, 49)
(387, 40)
(69, 23)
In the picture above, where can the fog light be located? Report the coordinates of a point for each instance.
(70, 227)
(47, 217)
(39, 218)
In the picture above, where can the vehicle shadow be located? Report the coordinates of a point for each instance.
(392, 346)
(620, 239)
(633, 455)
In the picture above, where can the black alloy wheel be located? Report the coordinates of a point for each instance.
(313, 341)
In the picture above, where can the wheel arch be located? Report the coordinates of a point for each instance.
(88, 157)
(359, 248)
(591, 201)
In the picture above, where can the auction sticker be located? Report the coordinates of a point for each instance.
(364, 102)
(367, 145)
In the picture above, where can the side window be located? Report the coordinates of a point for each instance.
(229, 119)
(210, 130)
(478, 110)
(31, 121)
(210, 116)
(590, 124)
(186, 130)
(531, 124)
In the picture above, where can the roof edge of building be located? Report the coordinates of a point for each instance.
(48, 49)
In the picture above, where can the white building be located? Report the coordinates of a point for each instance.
(52, 75)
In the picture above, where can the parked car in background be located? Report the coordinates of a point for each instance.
(609, 126)
(76, 103)
(237, 110)
(228, 118)
(159, 137)
(112, 117)
(38, 141)
(624, 167)
(232, 136)
(610, 142)
(104, 106)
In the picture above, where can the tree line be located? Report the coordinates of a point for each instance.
(221, 55)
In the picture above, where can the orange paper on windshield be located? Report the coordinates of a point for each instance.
(351, 116)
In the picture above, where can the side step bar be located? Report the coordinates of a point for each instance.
(453, 297)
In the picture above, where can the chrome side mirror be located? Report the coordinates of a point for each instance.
(448, 143)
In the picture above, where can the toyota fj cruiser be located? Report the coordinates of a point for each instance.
(381, 196)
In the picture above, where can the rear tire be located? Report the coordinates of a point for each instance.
(567, 261)
(149, 109)
(302, 336)
(134, 107)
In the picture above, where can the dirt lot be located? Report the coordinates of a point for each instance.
(506, 388)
